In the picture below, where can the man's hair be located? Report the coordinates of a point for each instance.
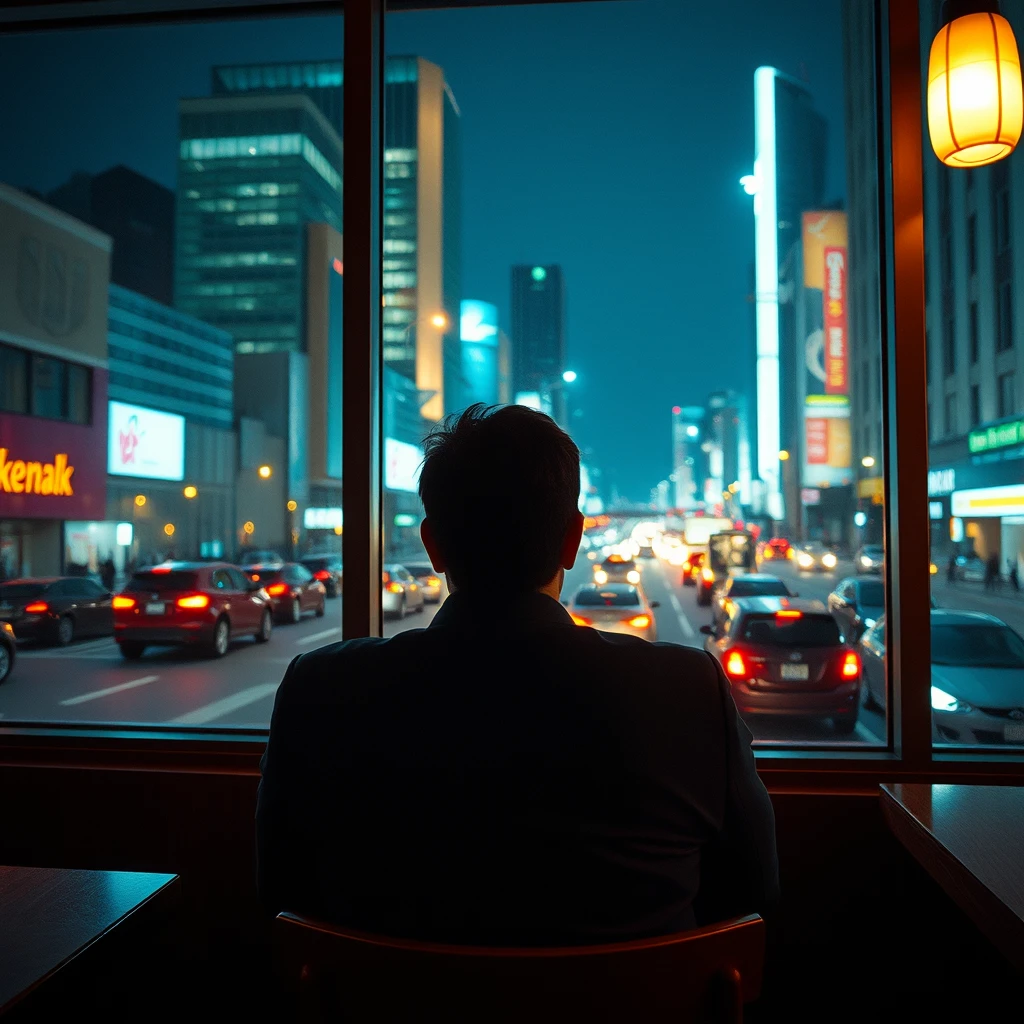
(500, 486)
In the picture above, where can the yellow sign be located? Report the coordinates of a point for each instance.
(822, 229)
(20, 477)
(872, 487)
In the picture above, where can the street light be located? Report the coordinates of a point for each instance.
(438, 320)
(140, 500)
(292, 505)
(190, 492)
(265, 472)
(749, 184)
(783, 455)
(569, 376)
(868, 461)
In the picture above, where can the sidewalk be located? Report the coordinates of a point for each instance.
(1003, 590)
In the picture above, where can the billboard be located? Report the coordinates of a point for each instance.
(478, 332)
(402, 464)
(145, 442)
(836, 359)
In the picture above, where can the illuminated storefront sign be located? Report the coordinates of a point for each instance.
(1003, 435)
(987, 502)
(940, 482)
(145, 443)
(18, 476)
(323, 518)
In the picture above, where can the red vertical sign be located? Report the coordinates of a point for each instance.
(836, 345)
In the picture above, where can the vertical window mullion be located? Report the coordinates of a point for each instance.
(906, 393)
(361, 384)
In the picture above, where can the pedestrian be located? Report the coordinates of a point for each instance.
(1012, 565)
(951, 568)
(107, 573)
(991, 571)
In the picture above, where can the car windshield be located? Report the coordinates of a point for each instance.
(608, 597)
(315, 563)
(804, 631)
(420, 570)
(618, 563)
(758, 588)
(986, 646)
(872, 594)
(19, 591)
(162, 582)
(873, 549)
(814, 545)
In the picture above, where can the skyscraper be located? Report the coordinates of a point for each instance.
(789, 178)
(538, 334)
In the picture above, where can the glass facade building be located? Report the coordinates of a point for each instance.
(538, 331)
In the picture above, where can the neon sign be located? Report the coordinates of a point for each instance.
(20, 477)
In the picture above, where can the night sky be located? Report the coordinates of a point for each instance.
(608, 138)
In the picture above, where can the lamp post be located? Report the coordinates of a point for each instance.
(191, 493)
(568, 378)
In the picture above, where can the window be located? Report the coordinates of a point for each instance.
(49, 387)
(974, 332)
(13, 380)
(79, 397)
(1004, 316)
(975, 405)
(1007, 401)
(972, 243)
(950, 415)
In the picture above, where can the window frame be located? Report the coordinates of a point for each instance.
(904, 386)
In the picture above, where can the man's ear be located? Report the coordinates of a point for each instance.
(571, 544)
(430, 544)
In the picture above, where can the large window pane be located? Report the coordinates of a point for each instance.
(973, 247)
(672, 248)
(170, 367)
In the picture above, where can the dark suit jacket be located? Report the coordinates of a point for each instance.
(506, 777)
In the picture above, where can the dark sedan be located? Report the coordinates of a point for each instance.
(56, 609)
(327, 569)
(857, 603)
(292, 588)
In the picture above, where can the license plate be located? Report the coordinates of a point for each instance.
(155, 608)
(794, 672)
(1014, 732)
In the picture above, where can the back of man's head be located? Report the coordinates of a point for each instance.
(500, 488)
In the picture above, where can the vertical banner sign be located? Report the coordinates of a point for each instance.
(817, 441)
(836, 371)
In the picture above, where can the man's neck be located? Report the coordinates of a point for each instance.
(552, 589)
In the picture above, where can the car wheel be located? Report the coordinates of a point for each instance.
(131, 650)
(5, 662)
(320, 608)
(65, 631)
(221, 639)
(266, 627)
(845, 725)
(296, 610)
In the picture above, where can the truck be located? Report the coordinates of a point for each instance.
(730, 553)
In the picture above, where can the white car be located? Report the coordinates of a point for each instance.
(614, 608)
(400, 593)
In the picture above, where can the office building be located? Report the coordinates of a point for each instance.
(422, 207)
(789, 178)
(137, 214)
(688, 459)
(538, 336)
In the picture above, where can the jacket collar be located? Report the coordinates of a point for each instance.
(530, 609)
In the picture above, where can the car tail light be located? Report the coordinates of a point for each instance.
(788, 613)
(36, 608)
(433, 581)
(768, 553)
(193, 601)
(707, 575)
(686, 565)
(161, 569)
(735, 666)
(638, 621)
(394, 588)
(122, 603)
(323, 574)
(851, 665)
(581, 620)
(277, 589)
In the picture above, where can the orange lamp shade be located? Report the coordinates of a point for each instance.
(975, 101)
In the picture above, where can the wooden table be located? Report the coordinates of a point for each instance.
(970, 839)
(51, 916)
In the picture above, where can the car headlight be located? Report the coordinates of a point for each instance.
(829, 561)
(865, 561)
(632, 576)
(942, 701)
(870, 623)
(804, 561)
(600, 576)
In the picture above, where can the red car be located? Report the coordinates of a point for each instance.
(202, 604)
(787, 657)
(776, 548)
(292, 588)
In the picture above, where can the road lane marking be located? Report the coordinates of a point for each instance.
(224, 706)
(96, 694)
(313, 637)
(684, 622)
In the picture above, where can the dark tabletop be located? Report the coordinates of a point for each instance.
(48, 916)
(970, 839)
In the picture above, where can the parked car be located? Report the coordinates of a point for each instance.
(614, 608)
(201, 604)
(429, 582)
(401, 594)
(788, 657)
(870, 558)
(7, 650)
(293, 590)
(56, 609)
(327, 569)
(977, 677)
(857, 603)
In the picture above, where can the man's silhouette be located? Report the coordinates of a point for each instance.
(504, 776)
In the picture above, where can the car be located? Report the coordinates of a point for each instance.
(400, 593)
(870, 558)
(7, 650)
(614, 608)
(813, 556)
(755, 584)
(692, 566)
(327, 569)
(616, 569)
(56, 609)
(259, 556)
(774, 549)
(857, 603)
(977, 677)
(970, 568)
(788, 657)
(190, 604)
(293, 590)
(427, 580)
(730, 553)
